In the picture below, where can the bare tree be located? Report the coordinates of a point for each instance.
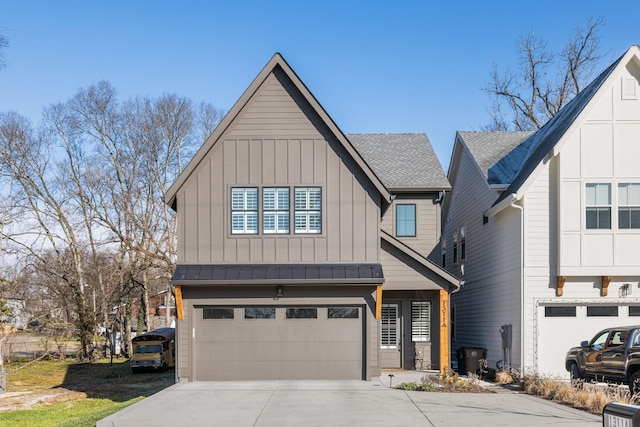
(545, 80)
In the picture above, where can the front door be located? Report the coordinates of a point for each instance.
(390, 344)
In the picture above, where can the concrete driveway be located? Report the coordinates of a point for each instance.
(337, 403)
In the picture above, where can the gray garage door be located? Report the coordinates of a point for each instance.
(263, 342)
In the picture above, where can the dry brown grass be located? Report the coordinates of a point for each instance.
(586, 396)
(504, 377)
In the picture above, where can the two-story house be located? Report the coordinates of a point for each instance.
(543, 227)
(297, 257)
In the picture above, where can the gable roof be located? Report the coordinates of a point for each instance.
(519, 164)
(403, 161)
(488, 148)
(430, 265)
(277, 61)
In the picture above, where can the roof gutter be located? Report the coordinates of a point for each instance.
(504, 203)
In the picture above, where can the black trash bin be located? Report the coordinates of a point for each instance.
(472, 358)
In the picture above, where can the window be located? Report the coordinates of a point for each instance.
(259, 313)
(308, 206)
(302, 313)
(275, 210)
(598, 205)
(602, 311)
(244, 210)
(455, 248)
(560, 311)
(629, 205)
(342, 313)
(406, 220)
(444, 254)
(420, 321)
(634, 310)
(463, 245)
(389, 326)
(217, 313)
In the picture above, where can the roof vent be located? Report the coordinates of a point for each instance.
(629, 88)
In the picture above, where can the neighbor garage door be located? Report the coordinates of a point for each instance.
(266, 342)
(561, 327)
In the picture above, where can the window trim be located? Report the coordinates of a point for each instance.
(307, 211)
(245, 211)
(420, 322)
(596, 207)
(277, 210)
(627, 206)
(414, 221)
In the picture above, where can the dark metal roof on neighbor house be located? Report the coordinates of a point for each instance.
(487, 148)
(516, 166)
(250, 274)
(402, 161)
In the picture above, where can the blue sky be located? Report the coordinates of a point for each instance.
(401, 66)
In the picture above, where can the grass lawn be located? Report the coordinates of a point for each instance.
(74, 394)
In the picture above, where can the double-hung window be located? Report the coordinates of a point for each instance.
(598, 206)
(629, 205)
(275, 210)
(244, 210)
(405, 220)
(308, 210)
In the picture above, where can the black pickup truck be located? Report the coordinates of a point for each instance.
(612, 355)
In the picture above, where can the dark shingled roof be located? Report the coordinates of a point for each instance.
(487, 148)
(402, 161)
(269, 273)
(516, 166)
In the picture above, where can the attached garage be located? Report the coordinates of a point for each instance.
(273, 342)
(562, 326)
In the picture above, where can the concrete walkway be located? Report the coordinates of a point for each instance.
(339, 403)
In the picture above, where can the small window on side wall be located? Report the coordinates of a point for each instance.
(406, 220)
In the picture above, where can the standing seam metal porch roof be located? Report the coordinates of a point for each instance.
(251, 274)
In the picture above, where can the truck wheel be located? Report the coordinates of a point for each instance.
(634, 383)
(574, 371)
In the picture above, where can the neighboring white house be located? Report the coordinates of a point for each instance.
(544, 228)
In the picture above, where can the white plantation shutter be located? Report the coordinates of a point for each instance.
(420, 321)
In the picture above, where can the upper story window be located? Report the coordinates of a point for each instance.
(275, 210)
(244, 210)
(308, 210)
(444, 253)
(629, 205)
(406, 220)
(598, 206)
(463, 245)
(455, 248)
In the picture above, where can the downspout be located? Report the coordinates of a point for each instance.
(522, 316)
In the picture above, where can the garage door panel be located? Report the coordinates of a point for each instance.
(557, 334)
(281, 348)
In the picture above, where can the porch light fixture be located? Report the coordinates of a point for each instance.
(279, 291)
(625, 290)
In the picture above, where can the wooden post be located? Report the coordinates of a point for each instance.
(444, 332)
(179, 311)
(378, 302)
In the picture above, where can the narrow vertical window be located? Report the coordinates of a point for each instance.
(598, 206)
(444, 253)
(389, 326)
(405, 220)
(455, 248)
(275, 210)
(420, 321)
(244, 210)
(628, 205)
(308, 210)
(463, 245)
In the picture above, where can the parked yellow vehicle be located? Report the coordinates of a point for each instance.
(154, 350)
